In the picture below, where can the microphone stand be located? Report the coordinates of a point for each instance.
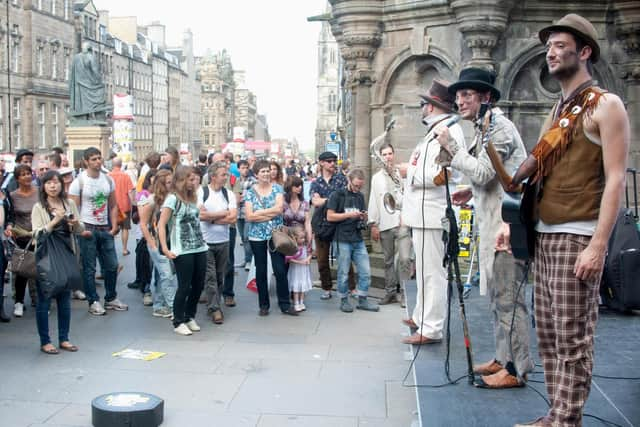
(450, 261)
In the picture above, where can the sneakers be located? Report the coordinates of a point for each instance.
(192, 325)
(96, 309)
(302, 306)
(297, 307)
(365, 304)
(182, 329)
(163, 312)
(116, 305)
(326, 295)
(345, 305)
(147, 300)
(18, 309)
(229, 301)
(78, 294)
(247, 266)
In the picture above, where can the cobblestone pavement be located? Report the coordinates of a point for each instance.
(323, 368)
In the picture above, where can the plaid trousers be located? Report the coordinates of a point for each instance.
(566, 314)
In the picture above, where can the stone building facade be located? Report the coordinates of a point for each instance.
(218, 99)
(393, 49)
(245, 107)
(34, 75)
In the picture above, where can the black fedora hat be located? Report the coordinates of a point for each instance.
(477, 79)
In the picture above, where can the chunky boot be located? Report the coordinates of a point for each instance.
(4, 318)
(365, 304)
(345, 305)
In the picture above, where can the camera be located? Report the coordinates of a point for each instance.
(69, 215)
(361, 226)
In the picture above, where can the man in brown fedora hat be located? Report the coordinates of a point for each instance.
(500, 273)
(423, 207)
(580, 160)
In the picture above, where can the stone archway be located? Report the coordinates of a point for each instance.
(397, 96)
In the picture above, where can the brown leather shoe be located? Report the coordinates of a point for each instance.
(217, 317)
(417, 339)
(540, 422)
(488, 368)
(410, 323)
(501, 379)
(229, 301)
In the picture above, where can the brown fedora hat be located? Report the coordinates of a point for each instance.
(439, 96)
(578, 26)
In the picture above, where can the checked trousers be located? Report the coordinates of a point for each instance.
(566, 313)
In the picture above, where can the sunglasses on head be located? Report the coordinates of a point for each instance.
(423, 103)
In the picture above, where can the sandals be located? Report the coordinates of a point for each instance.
(125, 253)
(51, 350)
(68, 347)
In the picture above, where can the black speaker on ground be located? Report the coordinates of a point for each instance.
(127, 409)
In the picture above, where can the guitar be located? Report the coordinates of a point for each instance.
(519, 206)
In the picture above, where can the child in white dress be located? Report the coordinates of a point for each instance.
(299, 275)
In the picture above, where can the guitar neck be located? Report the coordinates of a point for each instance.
(503, 177)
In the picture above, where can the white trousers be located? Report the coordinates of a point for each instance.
(431, 279)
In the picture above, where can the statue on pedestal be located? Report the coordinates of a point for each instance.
(86, 89)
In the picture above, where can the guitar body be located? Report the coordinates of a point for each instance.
(518, 209)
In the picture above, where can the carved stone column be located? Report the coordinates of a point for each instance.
(356, 25)
(481, 25)
(628, 32)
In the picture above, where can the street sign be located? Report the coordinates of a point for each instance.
(334, 148)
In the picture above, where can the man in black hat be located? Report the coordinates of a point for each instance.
(500, 272)
(328, 181)
(580, 159)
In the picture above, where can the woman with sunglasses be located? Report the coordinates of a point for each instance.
(54, 213)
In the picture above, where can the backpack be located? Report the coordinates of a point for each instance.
(323, 228)
(205, 194)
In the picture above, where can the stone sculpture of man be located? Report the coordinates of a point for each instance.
(86, 88)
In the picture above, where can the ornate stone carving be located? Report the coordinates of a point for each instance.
(627, 30)
(481, 26)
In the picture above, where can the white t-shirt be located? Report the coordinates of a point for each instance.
(216, 233)
(94, 204)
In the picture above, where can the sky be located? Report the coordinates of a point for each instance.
(271, 40)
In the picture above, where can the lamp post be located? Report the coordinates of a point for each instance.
(10, 125)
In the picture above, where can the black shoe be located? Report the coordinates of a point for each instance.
(133, 285)
(4, 317)
(263, 312)
(291, 311)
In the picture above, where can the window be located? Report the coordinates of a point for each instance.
(54, 64)
(53, 6)
(15, 52)
(67, 9)
(39, 62)
(17, 136)
(16, 108)
(206, 121)
(55, 128)
(42, 124)
(332, 102)
(39, 4)
(66, 65)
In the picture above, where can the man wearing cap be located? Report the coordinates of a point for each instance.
(423, 207)
(500, 273)
(328, 181)
(580, 159)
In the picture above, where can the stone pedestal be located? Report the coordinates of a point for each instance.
(83, 137)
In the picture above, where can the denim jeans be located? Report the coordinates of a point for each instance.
(164, 283)
(243, 230)
(227, 290)
(260, 249)
(190, 269)
(217, 256)
(63, 302)
(356, 253)
(101, 246)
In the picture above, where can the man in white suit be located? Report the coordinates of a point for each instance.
(423, 207)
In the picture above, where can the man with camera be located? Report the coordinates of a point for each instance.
(346, 208)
